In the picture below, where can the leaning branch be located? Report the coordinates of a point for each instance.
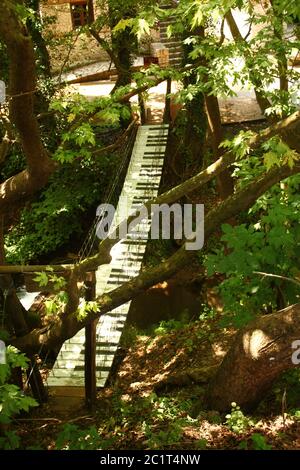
(69, 325)
(281, 128)
(240, 201)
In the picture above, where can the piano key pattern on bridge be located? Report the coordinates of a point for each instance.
(141, 184)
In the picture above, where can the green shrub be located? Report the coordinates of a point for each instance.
(259, 442)
(71, 437)
(12, 399)
(237, 421)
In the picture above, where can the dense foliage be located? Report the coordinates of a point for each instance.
(56, 217)
(268, 242)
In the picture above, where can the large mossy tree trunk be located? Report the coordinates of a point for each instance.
(122, 45)
(260, 353)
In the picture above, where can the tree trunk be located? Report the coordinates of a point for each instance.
(22, 88)
(34, 27)
(224, 180)
(14, 320)
(122, 47)
(262, 101)
(123, 43)
(191, 121)
(259, 354)
(282, 62)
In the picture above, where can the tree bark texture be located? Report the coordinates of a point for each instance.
(259, 354)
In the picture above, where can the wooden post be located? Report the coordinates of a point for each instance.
(90, 348)
(167, 113)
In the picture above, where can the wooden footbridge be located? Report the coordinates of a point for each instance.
(141, 184)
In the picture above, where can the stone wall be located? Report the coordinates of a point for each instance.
(83, 49)
(62, 11)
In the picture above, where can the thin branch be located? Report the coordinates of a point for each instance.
(222, 35)
(249, 30)
(52, 421)
(285, 278)
(21, 420)
(168, 74)
(4, 147)
(57, 420)
(67, 56)
(104, 44)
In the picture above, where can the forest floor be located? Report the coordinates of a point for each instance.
(154, 400)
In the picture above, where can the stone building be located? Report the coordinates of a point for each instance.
(66, 16)
(63, 18)
(69, 13)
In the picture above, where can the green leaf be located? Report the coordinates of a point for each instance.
(198, 15)
(123, 24)
(71, 117)
(270, 160)
(65, 156)
(24, 13)
(58, 281)
(290, 158)
(143, 28)
(240, 144)
(10, 441)
(84, 134)
(51, 306)
(42, 279)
